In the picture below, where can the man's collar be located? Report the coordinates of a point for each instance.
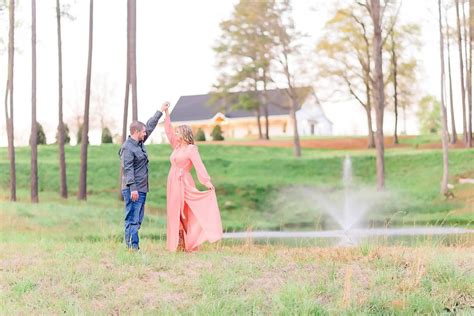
(130, 138)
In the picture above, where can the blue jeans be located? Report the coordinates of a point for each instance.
(134, 212)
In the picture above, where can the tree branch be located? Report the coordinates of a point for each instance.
(349, 85)
(394, 21)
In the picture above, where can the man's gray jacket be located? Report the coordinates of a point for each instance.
(134, 159)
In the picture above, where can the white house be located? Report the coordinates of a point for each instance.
(311, 118)
(199, 112)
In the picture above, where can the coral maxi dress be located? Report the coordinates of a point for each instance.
(198, 210)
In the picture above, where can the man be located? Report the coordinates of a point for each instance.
(134, 163)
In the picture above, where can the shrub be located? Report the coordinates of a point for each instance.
(217, 133)
(200, 136)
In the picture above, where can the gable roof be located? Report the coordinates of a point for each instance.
(312, 110)
(200, 107)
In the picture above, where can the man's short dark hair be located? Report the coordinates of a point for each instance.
(136, 126)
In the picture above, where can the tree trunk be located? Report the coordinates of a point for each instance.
(125, 103)
(444, 137)
(34, 124)
(468, 56)
(368, 109)
(265, 106)
(296, 137)
(62, 155)
(125, 108)
(82, 193)
(267, 124)
(454, 136)
(461, 71)
(259, 125)
(471, 39)
(395, 132)
(395, 92)
(133, 56)
(379, 95)
(371, 140)
(293, 96)
(9, 99)
(257, 110)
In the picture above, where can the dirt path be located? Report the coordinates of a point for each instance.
(349, 143)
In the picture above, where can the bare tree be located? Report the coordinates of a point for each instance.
(404, 38)
(133, 55)
(394, 62)
(468, 58)
(444, 135)
(34, 123)
(471, 39)
(127, 89)
(395, 82)
(294, 102)
(127, 81)
(287, 46)
(461, 71)
(125, 107)
(345, 49)
(379, 94)
(61, 132)
(82, 192)
(454, 135)
(258, 107)
(9, 99)
(265, 103)
(376, 11)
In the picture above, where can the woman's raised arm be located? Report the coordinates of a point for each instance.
(169, 129)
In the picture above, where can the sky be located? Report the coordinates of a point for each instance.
(174, 56)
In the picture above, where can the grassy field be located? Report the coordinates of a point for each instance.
(251, 180)
(65, 256)
(78, 277)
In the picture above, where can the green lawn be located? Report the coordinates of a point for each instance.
(252, 183)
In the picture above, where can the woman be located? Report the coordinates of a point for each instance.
(192, 216)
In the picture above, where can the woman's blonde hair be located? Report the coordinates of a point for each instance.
(187, 133)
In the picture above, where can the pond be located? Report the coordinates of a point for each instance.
(352, 237)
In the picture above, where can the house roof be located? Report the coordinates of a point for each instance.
(312, 110)
(203, 107)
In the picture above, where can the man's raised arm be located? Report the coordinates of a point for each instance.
(151, 124)
(153, 121)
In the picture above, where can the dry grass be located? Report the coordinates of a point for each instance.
(104, 278)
